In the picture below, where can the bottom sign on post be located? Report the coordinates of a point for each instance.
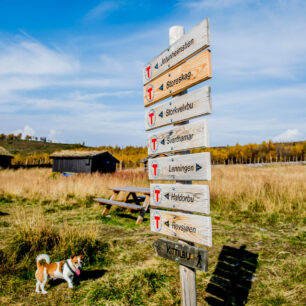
(193, 228)
(184, 254)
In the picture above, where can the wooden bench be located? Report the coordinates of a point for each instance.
(142, 201)
(118, 203)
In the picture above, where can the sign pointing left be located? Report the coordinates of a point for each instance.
(189, 136)
(187, 227)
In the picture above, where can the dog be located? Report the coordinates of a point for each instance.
(65, 269)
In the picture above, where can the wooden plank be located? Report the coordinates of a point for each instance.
(186, 255)
(118, 203)
(194, 104)
(190, 73)
(193, 228)
(131, 189)
(181, 167)
(194, 41)
(188, 136)
(192, 198)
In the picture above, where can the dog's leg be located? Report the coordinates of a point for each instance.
(69, 281)
(37, 282)
(42, 285)
(37, 286)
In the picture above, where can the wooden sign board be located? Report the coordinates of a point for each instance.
(194, 104)
(188, 45)
(193, 228)
(195, 167)
(188, 136)
(184, 254)
(192, 198)
(190, 73)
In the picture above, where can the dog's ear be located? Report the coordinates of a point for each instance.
(72, 256)
(82, 256)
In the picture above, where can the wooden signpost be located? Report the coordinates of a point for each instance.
(181, 167)
(190, 73)
(181, 66)
(193, 42)
(180, 138)
(192, 198)
(186, 255)
(192, 105)
(188, 227)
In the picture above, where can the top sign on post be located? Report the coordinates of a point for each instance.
(191, 43)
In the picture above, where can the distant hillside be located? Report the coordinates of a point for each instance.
(30, 153)
(29, 147)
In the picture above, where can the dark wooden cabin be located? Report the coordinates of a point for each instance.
(5, 158)
(83, 161)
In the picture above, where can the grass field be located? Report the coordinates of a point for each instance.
(259, 209)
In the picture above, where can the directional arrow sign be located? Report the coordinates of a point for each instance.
(184, 254)
(189, 136)
(192, 198)
(181, 167)
(194, 104)
(191, 43)
(193, 228)
(190, 73)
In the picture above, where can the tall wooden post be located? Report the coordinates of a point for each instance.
(187, 275)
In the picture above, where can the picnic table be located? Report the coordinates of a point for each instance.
(138, 195)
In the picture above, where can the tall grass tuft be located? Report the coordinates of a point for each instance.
(32, 236)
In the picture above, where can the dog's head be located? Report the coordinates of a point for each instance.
(77, 261)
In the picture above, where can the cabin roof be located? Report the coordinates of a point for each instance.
(81, 154)
(4, 152)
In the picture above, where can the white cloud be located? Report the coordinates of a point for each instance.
(94, 96)
(100, 11)
(214, 4)
(32, 58)
(27, 130)
(26, 64)
(289, 135)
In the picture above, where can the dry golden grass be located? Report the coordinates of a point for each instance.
(270, 189)
(43, 185)
(121, 267)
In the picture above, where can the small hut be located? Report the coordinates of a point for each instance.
(83, 161)
(5, 158)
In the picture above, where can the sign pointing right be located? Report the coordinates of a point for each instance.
(181, 167)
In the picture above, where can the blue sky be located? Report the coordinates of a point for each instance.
(72, 70)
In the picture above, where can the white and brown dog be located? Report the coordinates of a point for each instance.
(65, 269)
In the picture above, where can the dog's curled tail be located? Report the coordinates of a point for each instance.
(41, 257)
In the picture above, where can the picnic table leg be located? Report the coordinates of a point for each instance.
(145, 206)
(127, 198)
(108, 207)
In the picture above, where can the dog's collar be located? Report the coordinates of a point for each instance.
(66, 262)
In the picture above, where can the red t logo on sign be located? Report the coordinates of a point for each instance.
(154, 166)
(151, 115)
(154, 143)
(157, 223)
(148, 70)
(157, 193)
(149, 92)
